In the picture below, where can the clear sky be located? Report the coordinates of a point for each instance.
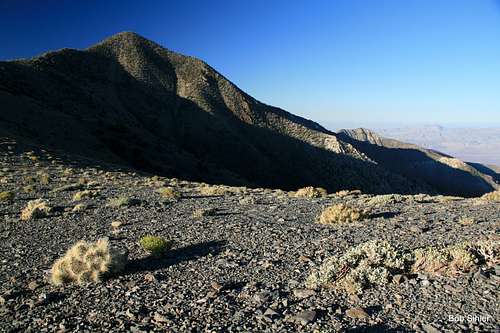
(337, 62)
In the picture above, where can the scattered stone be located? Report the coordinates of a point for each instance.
(305, 317)
(430, 329)
(357, 313)
(303, 293)
(33, 285)
(216, 286)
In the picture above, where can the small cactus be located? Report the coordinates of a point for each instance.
(88, 262)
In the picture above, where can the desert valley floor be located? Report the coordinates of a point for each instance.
(240, 258)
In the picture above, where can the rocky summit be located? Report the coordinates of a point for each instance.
(141, 191)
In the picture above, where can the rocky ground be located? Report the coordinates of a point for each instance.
(240, 269)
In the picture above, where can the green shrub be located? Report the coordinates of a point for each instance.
(155, 245)
(6, 196)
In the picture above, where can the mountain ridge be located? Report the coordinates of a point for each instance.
(130, 101)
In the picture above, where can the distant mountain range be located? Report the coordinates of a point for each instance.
(478, 145)
(129, 101)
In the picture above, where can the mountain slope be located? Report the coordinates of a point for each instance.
(130, 101)
(447, 174)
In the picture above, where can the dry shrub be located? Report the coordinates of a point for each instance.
(36, 209)
(345, 193)
(122, 201)
(211, 190)
(44, 178)
(464, 220)
(341, 213)
(86, 194)
(369, 263)
(458, 258)
(169, 193)
(310, 192)
(201, 212)
(79, 208)
(492, 196)
(88, 262)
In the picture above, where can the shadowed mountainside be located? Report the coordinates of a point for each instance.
(447, 174)
(130, 101)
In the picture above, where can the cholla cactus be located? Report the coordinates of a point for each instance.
(88, 262)
(310, 192)
(341, 213)
(369, 263)
(35, 209)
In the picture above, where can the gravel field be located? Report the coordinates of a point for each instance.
(242, 268)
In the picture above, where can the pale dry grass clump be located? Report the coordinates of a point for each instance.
(310, 192)
(44, 178)
(169, 193)
(79, 208)
(122, 201)
(6, 196)
(344, 193)
(86, 194)
(88, 262)
(386, 199)
(36, 209)
(492, 196)
(214, 190)
(201, 212)
(341, 213)
(465, 220)
(458, 258)
(369, 263)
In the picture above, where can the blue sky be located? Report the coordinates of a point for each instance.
(350, 62)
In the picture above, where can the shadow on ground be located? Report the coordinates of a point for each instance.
(175, 256)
